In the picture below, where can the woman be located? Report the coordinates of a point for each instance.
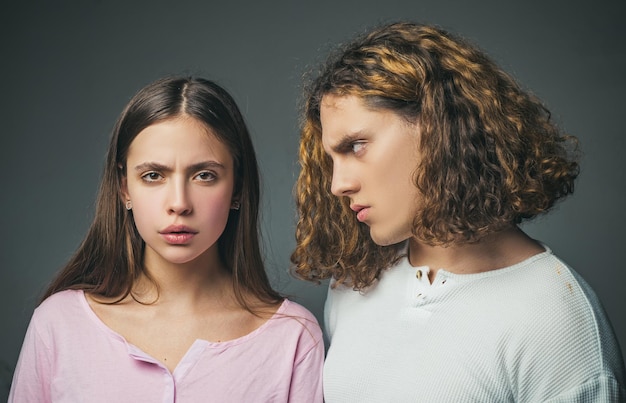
(167, 298)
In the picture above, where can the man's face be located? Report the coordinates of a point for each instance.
(374, 154)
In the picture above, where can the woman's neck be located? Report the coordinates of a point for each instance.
(204, 278)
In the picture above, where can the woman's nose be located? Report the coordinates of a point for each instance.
(179, 201)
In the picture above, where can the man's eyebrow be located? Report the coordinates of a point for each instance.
(345, 142)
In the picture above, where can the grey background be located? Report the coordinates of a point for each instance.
(68, 68)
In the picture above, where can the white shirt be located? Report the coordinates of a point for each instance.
(532, 332)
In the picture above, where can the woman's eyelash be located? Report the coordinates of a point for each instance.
(151, 176)
(207, 176)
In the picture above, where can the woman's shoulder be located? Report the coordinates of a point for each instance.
(61, 300)
(292, 308)
(59, 315)
(299, 316)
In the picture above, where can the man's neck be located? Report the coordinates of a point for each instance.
(498, 250)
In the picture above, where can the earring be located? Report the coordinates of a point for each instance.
(129, 205)
(235, 205)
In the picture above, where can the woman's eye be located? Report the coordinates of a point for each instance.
(206, 176)
(151, 177)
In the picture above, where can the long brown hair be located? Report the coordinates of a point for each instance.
(490, 155)
(110, 258)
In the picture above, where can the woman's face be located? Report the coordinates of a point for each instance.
(180, 181)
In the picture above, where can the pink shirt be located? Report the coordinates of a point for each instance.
(70, 355)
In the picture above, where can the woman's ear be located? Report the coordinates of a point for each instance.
(123, 185)
(124, 190)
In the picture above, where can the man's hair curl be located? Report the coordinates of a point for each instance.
(490, 156)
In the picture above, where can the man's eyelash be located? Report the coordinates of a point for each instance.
(357, 146)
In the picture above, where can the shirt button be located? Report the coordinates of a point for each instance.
(418, 274)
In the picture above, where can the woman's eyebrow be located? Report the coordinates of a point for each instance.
(151, 166)
(156, 166)
(206, 165)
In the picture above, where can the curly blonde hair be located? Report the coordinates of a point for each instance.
(490, 155)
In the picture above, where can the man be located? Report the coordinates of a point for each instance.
(419, 158)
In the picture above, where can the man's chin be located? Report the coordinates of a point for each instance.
(385, 239)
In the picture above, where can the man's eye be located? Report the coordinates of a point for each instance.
(357, 146)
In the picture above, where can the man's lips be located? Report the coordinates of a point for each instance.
(361, 211)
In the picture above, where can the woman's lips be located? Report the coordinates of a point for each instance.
(178, 234)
